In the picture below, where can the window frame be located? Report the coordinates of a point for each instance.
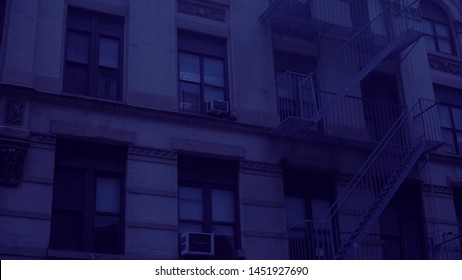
(453, 129)
(95, 32)
(198, 47)
(88, 211)
(207, 185)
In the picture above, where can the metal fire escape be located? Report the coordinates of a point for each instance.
(305, 100)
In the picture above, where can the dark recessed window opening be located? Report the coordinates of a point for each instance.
(87, 213)
(208, 202)
(93, 57)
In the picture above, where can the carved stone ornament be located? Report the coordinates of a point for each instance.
(12, 156)
(14, 111)
(149, 152)
(201, 10)
(445, 65)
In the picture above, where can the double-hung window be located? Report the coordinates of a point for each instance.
(451, 126)
(93, 57)
(450, 113)
(87, 212)
(201, 71)
(208, 201)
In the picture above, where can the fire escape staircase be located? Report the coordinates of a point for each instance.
(411, 136)
(315, 97)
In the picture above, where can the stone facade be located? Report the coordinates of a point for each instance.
(35, 113)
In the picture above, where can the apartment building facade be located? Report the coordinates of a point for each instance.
(230, 129)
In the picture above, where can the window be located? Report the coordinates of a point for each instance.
(458, 207)
(450, 113)
(208, 201)
(88, 197)
(201, 70)
(437, 27)
(94, 43)
(2, 18)
(308, 197)
(291, 69)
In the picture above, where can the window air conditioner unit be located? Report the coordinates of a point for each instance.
(195, 243)
(217, 107)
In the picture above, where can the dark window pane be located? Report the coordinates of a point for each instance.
(295, 210)
(448, 138)
(108, 194)
(459, 141)
(108, 83)
(109, 52)
(106, 234)
(190, 227)
(66, 230)
(189, 68)
(457, 115)
(211, 93)
(442, 30)
(444, 46)
(69, 189)
(222, 205)
(428, 27)
(224, 241)
(78, 18)
(76, 78)
(77, 47)
(190, 203)
(214, 72)
(190, 98)
(445, 116)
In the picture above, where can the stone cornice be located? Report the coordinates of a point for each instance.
(120, 108)
(202, 9)
(446, 65)
(150, 152)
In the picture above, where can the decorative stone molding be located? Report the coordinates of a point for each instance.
(201, 10)
(445, 65)
(14, 111)
(42, 138)
(436, 189)
(261, 166)
(12, 156)
(150, 152)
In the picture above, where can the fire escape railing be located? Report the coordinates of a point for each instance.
(314, 99)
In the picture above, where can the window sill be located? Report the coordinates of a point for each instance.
(77, 255)
(231, 116)
(92, 98)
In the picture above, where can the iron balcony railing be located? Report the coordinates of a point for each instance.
(313, 240)
(450, 248)
(394, 247)
(354, 117)
(414, 132)
(392, 30)
(310, 240)
(304, 96)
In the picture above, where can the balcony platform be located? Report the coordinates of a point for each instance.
(296, 18)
